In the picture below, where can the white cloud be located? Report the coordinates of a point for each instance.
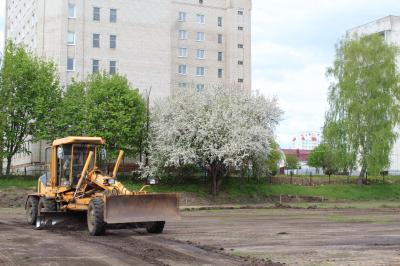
(2, 23)
(302, 95)
(293, 44)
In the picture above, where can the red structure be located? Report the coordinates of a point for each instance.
(302, 155)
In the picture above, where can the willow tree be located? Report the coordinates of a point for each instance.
(364, 98)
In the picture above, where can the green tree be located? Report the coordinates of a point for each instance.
(115, 112)
(364, 102)
(322, 157)
(29, 93)
(104, 106)
(292, 162)
(71, 114)
(273, 159)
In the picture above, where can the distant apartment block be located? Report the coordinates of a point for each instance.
(389, 28)
(162, 44)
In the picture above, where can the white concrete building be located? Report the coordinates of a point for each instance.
(160, 44)
(389, 28)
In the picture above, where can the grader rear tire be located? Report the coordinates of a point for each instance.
(155, 227)
(95, 217)
(31, 211)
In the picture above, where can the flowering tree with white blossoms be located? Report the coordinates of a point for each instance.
(214, 128)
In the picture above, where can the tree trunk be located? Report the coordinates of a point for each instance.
(360, 180)
(8, 168)
(216, 178)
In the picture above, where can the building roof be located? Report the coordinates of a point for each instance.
(388, 19)
(302, 155)
(76, 140)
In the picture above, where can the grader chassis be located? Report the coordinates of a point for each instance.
(74, 183)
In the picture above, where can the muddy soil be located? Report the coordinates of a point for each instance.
(20, 244)
(216, 237)
(14, 197)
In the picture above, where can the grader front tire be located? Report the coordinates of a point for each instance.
(95, 217)
(32, 210)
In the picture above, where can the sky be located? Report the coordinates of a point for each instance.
(293, 43)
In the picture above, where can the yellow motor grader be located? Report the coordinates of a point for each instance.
(75, 183)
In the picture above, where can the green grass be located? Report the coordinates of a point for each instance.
(331, 192)
(233, 190)
(199, 189)
(18, 182)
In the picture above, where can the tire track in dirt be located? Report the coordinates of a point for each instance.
(122, 247)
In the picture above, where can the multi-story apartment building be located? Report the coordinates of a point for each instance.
(389, 28)
(162, 44)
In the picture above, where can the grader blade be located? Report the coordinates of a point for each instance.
(49, 219)
(141, 208)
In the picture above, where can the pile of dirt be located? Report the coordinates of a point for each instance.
(14, 197)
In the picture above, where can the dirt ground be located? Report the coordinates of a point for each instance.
(216, 237)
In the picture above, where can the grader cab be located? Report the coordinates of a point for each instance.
(75, 183)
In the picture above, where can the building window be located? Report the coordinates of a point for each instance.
(201, 19)
(240, 13)
(200, 87)
(220, 56)
(70, 64)
(240, 62)
(182, 85)
(113, 41)
(183, 35)
(71, 38)
(220, 73)
(113, 67)
(200, 54)
(220, 38)
(200, 37)
(182, 52)
(71, 11)
(182, 16)
(240, 28)
(240, 45)
(219, 21)
(200, 71)
(113, 15)
(96, 13)
(96, 40)
(240, 80)
(182, 69)
(95, 66)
